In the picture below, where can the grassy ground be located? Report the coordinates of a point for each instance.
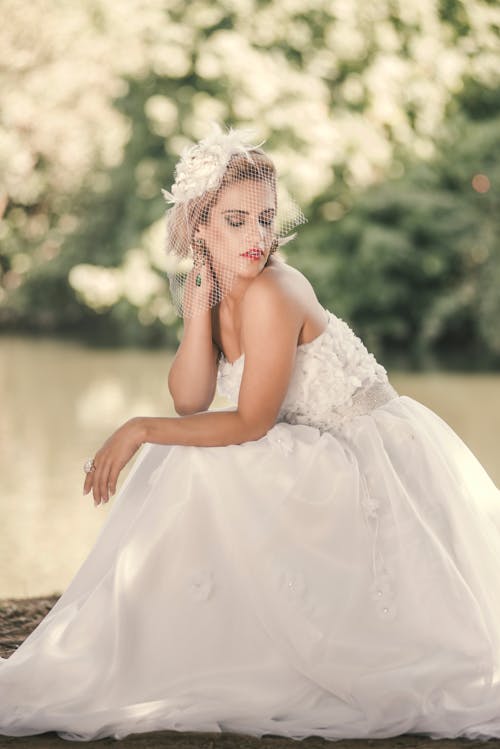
(18, 617)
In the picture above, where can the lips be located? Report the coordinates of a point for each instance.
(253, 253)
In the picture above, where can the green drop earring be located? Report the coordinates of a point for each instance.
(200, 252)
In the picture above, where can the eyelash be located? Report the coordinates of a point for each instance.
(262, 221)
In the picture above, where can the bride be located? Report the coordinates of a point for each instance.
(319, 559)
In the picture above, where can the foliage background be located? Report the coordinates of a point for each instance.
(383, 119)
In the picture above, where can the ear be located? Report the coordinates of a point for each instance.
(199, 231)
(202, 232)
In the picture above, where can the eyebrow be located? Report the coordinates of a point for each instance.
(246, 213)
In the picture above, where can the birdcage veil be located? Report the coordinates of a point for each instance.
(226, 215)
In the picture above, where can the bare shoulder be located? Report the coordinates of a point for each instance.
(281, 299)
(284, 283)
(287, 293)
(270, 304)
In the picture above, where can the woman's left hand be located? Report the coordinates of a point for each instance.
(112, 457)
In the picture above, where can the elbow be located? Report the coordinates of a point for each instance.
(187, 405)
(188, 409)
(182, 410)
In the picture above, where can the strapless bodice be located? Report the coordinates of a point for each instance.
(334, 379)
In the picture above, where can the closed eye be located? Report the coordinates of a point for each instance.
(266, 218)
(238, 218)
(232, 221)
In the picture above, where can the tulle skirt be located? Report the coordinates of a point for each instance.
(343, 585)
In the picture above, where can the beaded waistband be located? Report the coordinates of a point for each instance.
(367, 399)
(364, 400)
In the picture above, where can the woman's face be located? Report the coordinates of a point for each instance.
(241, 228)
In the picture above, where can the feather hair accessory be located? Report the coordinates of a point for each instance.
(202, 166)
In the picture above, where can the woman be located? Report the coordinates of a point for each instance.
(320, 559)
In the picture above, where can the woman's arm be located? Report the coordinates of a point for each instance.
(193, 374)
(271, 323)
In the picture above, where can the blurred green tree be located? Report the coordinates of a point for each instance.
(414, 262)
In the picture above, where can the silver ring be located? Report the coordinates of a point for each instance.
(89, 465)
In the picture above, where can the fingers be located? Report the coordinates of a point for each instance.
(88, 482)
(101, 481)
(100, 485)
(198, 289)
(113, 478)
(111, 458)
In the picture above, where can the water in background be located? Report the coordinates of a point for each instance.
(60, 401)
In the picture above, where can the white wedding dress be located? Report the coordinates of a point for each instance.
(339, 577)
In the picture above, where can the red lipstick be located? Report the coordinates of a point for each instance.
(254, 253)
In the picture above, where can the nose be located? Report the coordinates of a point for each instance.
(256, 233)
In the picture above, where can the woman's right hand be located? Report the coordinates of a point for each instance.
(197, 296)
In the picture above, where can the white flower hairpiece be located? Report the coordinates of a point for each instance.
(202, 166)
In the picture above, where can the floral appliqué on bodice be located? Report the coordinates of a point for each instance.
(334, 379)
